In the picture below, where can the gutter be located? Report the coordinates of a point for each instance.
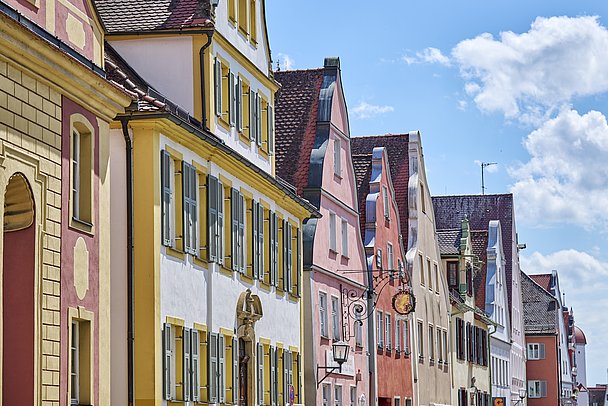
(130, 269)
(201, 56)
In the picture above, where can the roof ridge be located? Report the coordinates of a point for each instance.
(298, 70)
(380, 135)
(473, 195)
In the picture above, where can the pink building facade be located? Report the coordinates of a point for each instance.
(313, 154)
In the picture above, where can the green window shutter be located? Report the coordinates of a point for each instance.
(167, 358)
(241, 239)
(235, 370)
(260, 374)
(270, 129)
(252, 108)
(234, 202)
(261, 241)
(212, 374)
(212, 199)
(165, 165)
(258, 131)
(221, 350)
(271, 238)
(218, 87)
(195, 366)
(219, 230)
(186, 367)
(239, 101)
(254, 239)
(232, 95)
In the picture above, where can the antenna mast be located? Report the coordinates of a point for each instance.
(483, 166)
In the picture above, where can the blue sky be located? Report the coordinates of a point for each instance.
(521, 83)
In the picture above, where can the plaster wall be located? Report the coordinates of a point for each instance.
(518, 346)
(155, 60)
(545, 370)
(500, 362)
(581, 368)
(432, 384)
(118, 269)
(341, 187)
(249, 149)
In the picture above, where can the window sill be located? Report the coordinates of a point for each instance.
(247, 278)
(223, 123)
(172, 252)
(81, 225)
(244, 138)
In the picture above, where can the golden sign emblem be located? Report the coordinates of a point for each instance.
(404, 303)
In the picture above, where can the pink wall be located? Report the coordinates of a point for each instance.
(69, 236)
(545, 370)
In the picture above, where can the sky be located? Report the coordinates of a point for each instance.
(520, 83)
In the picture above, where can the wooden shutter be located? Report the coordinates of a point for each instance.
(252, 125)
(212, 189)
(186, 367)
(270, 129)
(195, 368)
(167, 355)
(165, 165)
(258, 131)
(241, 239)
(212, 373)
(189, 207)
(221, 350)
(232, 102)
(541, 351)
(286, 368)
(299, 264)
(289, 257)
(239, 102)
(219, 230)
(218, 87)
(271, 239)
(261, 241)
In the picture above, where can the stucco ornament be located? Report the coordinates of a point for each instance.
(81, 268)
(249, 310)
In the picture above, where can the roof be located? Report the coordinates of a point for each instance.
(131, 16)
(449, 241)
(479, 242)
(363, 173)
(540, 308)
(296, 107)
(543, 280)
(480, 209)
(396, 146)
(579, 335)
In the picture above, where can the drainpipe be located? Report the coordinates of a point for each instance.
(201, 55)
(130, 285)
(490, 356)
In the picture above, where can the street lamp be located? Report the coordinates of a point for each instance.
(340, 355)
(522, 395)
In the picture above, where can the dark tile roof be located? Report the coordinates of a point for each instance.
(480, 209)
(296, 110)
(540, 308)
(479, 241)
(398, 159)
(363, 173)
(449, 241)
(544, 280)
(124, 16)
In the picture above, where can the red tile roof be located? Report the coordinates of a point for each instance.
(296, 109)
(124, 16)
(544, 280)
(398, 159)
(480, 209)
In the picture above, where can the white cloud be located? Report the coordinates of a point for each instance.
(427, 55)
(364, 110)
(583, 278)
(286, 62)
(488, 168)
(525, 76)
(566, 178)
(462, 105)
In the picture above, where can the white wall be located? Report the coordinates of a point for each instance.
(165, 63)
(581, 369)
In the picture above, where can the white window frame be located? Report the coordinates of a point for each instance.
(397, 335)
(358, 330)
(536, 351)
(75, 364)
(335, 318)
(420, 336)
(76, 145)
(167, 203)
(332, 232)
(326, 394)
(338, 395)
(190, 208)
(385, 203)
(353, 395)
(338, 157)
(390, 258)
(537, 389)
(323, 318)
(406, 336)
(168, 362)
(260, 373)
(380, 328)
(388, 330)
(344, 229)
(215, 222)
(237, 205)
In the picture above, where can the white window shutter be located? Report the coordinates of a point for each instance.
(218, 87)
(239, 101)
(252, 108)
(260, 374)
(212, 374)
(167, 357)
(254, 235)
(165, 164)
(221, 350)
(195, 370)
(232, 96)
(234, 204)
(186, 367)
(258, 131)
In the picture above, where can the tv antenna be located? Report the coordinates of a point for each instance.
(483, 166)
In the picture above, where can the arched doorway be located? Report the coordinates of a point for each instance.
(18, 279)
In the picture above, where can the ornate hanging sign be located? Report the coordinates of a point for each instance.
(404, 303)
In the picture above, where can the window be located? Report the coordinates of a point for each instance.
(243, 20)
(287, 375)
(255, 117)
(323, 314)
(183, 344)
(232, 11)
(260, 374)
(190, 192)
(391, 259)
(431, 344)
(270, 128)
(380, 329)
(332, 232)
(429, 273)
(422, 198)
(406, 337)
(75, 370)
(397, 402)
(436, 269)
(326, 395)
(445, 346)
(420, 341)
(167, 222)
(453, 274)
(217, 368)
(215, 220)
(239, 91)
(358, 329)
(217, 88)
(80, 361)
(287, 256)
(338, 395)
(335, 318)
(353, 396)
(469, 275)
(344, 238)
(82, 175)
(421, 266)
(337, 157)
(387, 211)
(379, 259)
(238, 231)
(257, 234)
(397, 335)
(252, 21)
(536, 351)
(440, 354)
(388, 332)
(537, 389)
(274, 248)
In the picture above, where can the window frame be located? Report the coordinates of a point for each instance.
(82, 207)
(323, 316)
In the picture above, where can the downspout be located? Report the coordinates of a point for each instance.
(490, 357)
(201, 55)
(371, 338)
(130, 285)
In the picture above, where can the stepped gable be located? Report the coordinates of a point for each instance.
(132, 16)
(363, 172)
(479, 240)
(540, 308)
(480, 209)
(396, 146)
(296, 108)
